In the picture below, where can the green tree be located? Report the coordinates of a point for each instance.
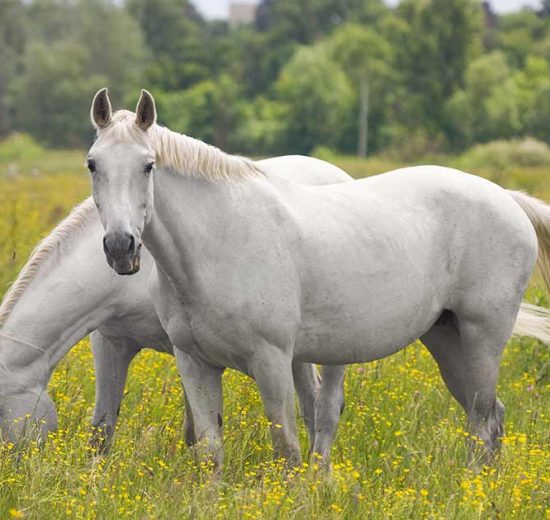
(74, 48)
(530, 81)
(115, 45)
(499, 102)
(13, 37)
(306, 21)
(178, 39)
(533, 84)
(283, 24)
(489, 105)
(539, 123)
(318, 97)
(50, 97)
(263, 127)
(209, 110)
(433, 41)
(365, 56)
(518, 34)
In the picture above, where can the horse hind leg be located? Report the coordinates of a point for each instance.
(307, 382)
(483, 346)
(468, 354)
(188, 424)
(328, 408)
(112, 357)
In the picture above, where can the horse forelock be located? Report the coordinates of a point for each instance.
(181, 153)
(76, 219)
(123, 129)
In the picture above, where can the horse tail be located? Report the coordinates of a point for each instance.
(539, 215)
(532, 320)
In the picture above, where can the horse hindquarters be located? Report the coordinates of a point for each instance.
(467, 341)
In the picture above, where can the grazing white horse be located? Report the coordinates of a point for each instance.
(66, 290)
(253, 271)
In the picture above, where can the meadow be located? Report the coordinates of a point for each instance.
(401, 445)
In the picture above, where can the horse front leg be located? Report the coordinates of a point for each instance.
(202, 384)
(272, 370)
(328, 408)
(112, 356)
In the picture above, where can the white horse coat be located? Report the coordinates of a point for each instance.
(253, 272)
(66, 291)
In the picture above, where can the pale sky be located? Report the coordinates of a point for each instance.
(219, 8)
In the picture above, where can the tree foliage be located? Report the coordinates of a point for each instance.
(71, 50)
(174, 34)
(318, 96)
(433, 42)
(209, 110)
(428, 75)
(13, 35)
(48, 97)
(365, 56)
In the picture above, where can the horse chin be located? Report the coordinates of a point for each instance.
(122, 267)
(126, 266)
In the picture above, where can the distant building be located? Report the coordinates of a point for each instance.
(241, 13)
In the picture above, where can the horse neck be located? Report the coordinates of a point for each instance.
(72, 293)
(196, 221)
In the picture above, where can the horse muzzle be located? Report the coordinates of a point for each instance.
(122, 252)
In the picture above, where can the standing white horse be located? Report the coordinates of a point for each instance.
(66, 290)
(253, 271)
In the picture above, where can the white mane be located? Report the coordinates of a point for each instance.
(181, 153)
(76, 219)
(185, 155)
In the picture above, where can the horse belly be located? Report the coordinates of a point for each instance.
(370, 307)
(359, 337)
(143, 328)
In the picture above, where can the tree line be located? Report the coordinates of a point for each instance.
(355, 76)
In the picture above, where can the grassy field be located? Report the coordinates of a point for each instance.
(400, 451)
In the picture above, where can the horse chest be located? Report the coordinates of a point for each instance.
(230, 335)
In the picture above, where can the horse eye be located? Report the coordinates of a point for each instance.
(91, 165)
(149, 168)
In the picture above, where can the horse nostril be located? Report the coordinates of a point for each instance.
(105, 248)
(132, 245)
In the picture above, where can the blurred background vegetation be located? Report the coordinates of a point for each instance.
(423, 79)
(444, 81)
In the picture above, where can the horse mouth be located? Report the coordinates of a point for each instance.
(136, 262)
(127, 266)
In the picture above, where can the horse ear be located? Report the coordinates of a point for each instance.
(101, 112)
(146, 112)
